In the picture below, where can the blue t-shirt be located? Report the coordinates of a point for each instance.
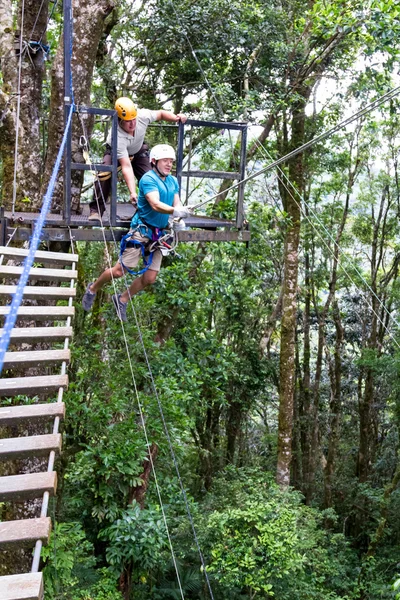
(167, 188)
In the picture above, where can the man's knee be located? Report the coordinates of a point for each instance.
(117, 270)
(149, 277)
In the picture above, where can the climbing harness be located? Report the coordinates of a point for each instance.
(163, 240)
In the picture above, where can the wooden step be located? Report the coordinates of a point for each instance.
(13, 415)
(25, 532)
(16, 488)
(36, 291)
(41, 384)
(38, 273)
(36, 445)
(40, 313)
(31, 358)
(39, 334)
(27, 586)
(40, 255)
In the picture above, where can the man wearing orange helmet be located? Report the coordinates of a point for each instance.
(132, 152)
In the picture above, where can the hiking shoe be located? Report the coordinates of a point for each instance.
(120, 307)
(94, 216)
(88, 298)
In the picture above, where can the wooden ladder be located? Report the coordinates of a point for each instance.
(56, 268)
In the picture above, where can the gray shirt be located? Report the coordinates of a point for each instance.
(128, 145)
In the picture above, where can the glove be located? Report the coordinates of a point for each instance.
(178, 225)
(183, 212)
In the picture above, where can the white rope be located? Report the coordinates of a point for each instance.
(14, 197)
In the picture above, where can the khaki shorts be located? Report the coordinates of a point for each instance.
(132, 255)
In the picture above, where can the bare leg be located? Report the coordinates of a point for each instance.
(114, 273)
(148, 278)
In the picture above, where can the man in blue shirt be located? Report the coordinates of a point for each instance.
(158, 200)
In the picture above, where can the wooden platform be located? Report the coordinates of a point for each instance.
(44, 416)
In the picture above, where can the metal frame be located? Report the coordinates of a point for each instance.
(240, 176)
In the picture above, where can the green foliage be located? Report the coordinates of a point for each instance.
(138, 537)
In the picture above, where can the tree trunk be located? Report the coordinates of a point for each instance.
(88, 17)
(29, 159)
(289, 301)
(335, 374)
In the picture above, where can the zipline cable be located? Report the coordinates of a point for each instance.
(340, 253)
(375, 104)
(155, 391)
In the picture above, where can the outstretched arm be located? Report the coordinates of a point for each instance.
(166, 115)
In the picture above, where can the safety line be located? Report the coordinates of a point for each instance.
(127, 348)
(341, 253)
(35, 240)
(14, 196)
(389, 95)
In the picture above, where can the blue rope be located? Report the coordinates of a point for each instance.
(17, 299)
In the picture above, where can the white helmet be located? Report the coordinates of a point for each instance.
(162, 151)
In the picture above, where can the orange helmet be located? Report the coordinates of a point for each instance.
(126, 109)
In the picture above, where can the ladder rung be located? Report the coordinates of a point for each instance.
(40, 255)
(27, 586)
(13, 415)
(26, 334)
(16, 488)
(24, 532)
(38, 445)
(40, 313)
(38, 273)
(36, 291)
(32, 385)
(33, 357)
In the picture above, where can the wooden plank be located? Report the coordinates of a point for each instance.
(32, 385)
(40, 313)
(40, 255)
(27, 586)
(24, 532)
(45, 334)
(36, 445)
(17, 488)
(96, 235)
(35, 357)
(38, 273)
(36, 291)
(12, 415)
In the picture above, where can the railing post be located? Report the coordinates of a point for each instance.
(242, 167)
(179, 155)
(114, 162)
